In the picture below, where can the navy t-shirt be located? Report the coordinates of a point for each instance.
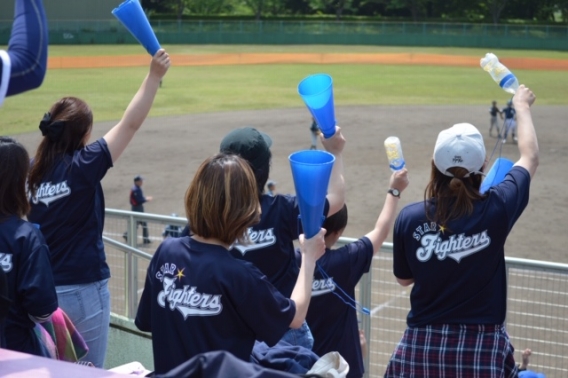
(459, 270)
(334, 323)
(197, 298)
(69, 206)
(272, 248)
(24, 257)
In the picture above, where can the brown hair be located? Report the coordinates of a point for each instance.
(447, 198)
(222, 200)
(77, 119)
(14, 165)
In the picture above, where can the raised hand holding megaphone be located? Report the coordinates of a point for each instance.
(132, 16)
(317, 93)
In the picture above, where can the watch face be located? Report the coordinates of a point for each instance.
(395, 192)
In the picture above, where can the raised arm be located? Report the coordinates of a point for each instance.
(120, 135)
(384, 224)
(526, 134)
(336, 188)
(311, 249)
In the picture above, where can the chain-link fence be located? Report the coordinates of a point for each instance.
(536, 312)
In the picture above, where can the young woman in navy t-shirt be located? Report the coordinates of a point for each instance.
(67, 202)
(24, 257)
(198, 298)
(451, 247)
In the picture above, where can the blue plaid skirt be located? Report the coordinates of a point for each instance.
(453, 350)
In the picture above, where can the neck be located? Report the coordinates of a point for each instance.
(211, 241)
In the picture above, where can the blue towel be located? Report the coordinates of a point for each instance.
(284, 357)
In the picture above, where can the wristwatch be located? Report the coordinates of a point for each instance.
(394, 192)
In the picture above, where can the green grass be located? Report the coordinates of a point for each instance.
(224, 88)
(93, 50)
(211, 49)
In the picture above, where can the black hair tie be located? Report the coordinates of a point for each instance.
(52, 130)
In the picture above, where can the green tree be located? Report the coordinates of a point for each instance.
(336, 7)
(416, 8)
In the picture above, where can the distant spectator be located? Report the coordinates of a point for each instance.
(314, 133)
(510, 121)
(271, 188)
(493, 112)
(172, 230)
(137, 201)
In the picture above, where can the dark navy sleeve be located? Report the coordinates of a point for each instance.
(138, 195)
(94, 161)
(270, 318)
(144, 313)
(35, 285)
(514, 192)
(360, 254)
(401, 269)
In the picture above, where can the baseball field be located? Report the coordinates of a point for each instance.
(410, 93)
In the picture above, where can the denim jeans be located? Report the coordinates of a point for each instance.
(301, 336)
(88, 307)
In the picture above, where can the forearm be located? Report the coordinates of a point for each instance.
(141, 103)
(527, 140)
(302, 292)
(336, 187)
(384, 222)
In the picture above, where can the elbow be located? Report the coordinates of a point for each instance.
(405, 282)
(296, 323)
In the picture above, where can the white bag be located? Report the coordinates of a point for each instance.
(330, 365)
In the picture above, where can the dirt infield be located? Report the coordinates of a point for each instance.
(168, 150)
(302, 58)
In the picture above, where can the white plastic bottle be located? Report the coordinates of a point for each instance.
(499, 73)
(394, 153)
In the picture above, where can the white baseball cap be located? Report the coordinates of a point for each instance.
(460, 146)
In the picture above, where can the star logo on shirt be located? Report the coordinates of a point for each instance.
(442, 229)
(180, 274)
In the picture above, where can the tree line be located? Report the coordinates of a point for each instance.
(487, 11)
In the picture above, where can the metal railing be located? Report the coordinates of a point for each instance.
(536, 309)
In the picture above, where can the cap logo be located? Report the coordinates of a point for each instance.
(457, 159)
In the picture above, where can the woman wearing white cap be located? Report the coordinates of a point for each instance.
(451, 247)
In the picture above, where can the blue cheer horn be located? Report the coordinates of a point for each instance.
(132, 16)
(311, 171)
(496, 174)
(317, 93)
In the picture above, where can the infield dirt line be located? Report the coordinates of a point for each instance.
(302, 58)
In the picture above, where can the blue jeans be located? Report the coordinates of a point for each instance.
(88, 307)
(301, 336)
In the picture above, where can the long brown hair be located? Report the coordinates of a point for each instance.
(14, 164)
(447, 198)
(77, 120)
(222, 200)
